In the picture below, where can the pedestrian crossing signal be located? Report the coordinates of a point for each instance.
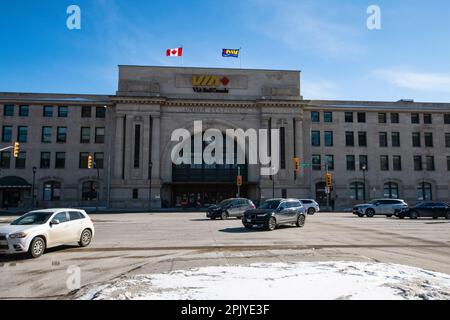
(296, 165)
(16, 149)
(329, 179)
(239, 181)
(90, 162)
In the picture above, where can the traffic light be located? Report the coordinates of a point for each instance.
(16, 149)
(329, 179)
(90, 162)
(239, 180)
(296, 165)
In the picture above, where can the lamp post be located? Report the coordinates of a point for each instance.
(32, 188)
(364, 168)
(273, 182)
(150, 167)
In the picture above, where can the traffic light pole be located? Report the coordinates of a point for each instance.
(328, 188)
(238, 186)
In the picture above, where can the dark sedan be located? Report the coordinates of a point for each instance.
(274, 212)
(425, 209)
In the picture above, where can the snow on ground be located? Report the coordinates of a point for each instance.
(283, 281)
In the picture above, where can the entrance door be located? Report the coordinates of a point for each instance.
(11, 198)
(321, 196)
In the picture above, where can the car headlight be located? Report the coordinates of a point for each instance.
(18, 235)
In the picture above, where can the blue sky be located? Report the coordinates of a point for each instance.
(327, 40)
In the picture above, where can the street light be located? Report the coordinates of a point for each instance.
(32, 188)
(364, 168)
(150, 167)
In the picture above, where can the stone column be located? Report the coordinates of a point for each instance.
(118, 147)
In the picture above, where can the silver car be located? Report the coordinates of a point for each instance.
(311, 206)
(38, 230)
(386, 207)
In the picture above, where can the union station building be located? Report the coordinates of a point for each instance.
(373, 149)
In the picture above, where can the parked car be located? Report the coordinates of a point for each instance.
(230, 208)
(311, 206)
(274, 212)
(38, 230)
(384, 207)
(425, 209)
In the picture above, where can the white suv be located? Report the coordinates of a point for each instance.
(37, 230)
(311, 206)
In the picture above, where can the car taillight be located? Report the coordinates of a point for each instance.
(253, 206)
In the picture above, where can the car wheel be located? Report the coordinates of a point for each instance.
(37, 247)
(300, 221)
(401, 217)
(311, 211)
(360, 215)
(213, 218)
(248, 226)
(271, 224)
(389, 215)
(413, 215)
(86, 238)
(224, 215)
(435, 218)
(370, 213)
(447, 215)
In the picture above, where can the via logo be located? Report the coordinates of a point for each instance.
(374, 19)
(74, 20)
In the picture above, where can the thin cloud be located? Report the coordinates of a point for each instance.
(319, 90)
(431, 82)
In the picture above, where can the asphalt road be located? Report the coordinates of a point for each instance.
(127, 244)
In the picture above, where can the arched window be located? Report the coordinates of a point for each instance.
(90, 191)
(357, 191)
(424, 192)
(391, 190)
(52, 191)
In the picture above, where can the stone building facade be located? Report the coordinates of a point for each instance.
(373, 149)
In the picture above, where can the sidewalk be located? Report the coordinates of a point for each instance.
(91, 210)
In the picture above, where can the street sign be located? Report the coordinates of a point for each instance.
(305, 165)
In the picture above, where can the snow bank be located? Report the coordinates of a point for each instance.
(283, 281)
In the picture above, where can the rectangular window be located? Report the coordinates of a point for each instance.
(384, 163)
(349, 117)
(397, 163)
(100, 112)
(418, 163)
(361, 117)
(61, 134)
(48, 111)
(428, 139)
(362, 139)
(447, 140)
(135, 194)
(100, 135)
(427, 118)
(5, 159)
(83, 164)
(63, 111)
(383, 139)
(137, 145)
(85, 136)
(7, 134)
(24, 111)
(351, 163)
(382, 117)
(328, 117)
(430, 163)
(86, 111)
(316, 162)
(315, 117)
(60, 161)
(395, 118)
(363, 162)
(21, 160)
(448, 163)
(415, 118)
(329, 162)
(45, 160)
(315, 138)
(8, 110)
(282, 148)
(46, 135)
(22, 134)
(447, 118)
(416, 139)
(328, 138)
(395, 136)
(99, 158)
(349, 139)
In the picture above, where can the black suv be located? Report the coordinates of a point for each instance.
(274, 212)
(230, 208)
(425, 209)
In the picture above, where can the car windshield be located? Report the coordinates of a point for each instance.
(373, 201)
(225, 202)
(270, 204)
(32, 218)
(421, 204)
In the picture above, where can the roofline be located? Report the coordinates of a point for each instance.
(366, 102)
(212, 68)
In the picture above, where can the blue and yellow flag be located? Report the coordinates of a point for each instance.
(230, 53)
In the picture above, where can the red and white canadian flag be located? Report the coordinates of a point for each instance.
(176, 52)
